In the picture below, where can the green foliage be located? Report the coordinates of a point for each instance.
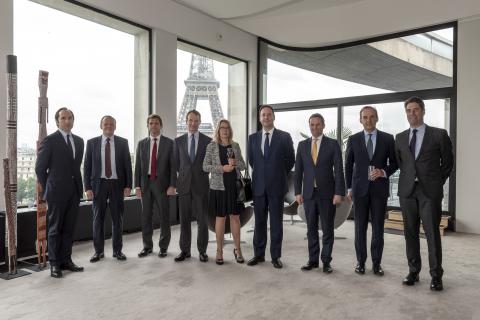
(26, 190)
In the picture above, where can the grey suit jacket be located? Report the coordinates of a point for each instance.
(166, 175)
(212, 164)
(432, 166)
(191, 177)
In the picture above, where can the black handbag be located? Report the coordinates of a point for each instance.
(244, 187)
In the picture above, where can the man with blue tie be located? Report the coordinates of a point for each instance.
(192, 186)
(271, 156)
(107, 172)
(369, 161)
(58, 172)
(319, 185)
(425, 158)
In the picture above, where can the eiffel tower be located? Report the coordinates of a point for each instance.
(200, 85)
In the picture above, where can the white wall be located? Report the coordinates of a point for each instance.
(6, 47)
(468, 135)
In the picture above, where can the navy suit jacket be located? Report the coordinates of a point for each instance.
(269, 176)
(92, 166)
(57, 171)
(357, 162)
(328, 172)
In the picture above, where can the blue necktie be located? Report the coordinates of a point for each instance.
(266, 146)
(192, 149)
(370, 146)
(413, 142)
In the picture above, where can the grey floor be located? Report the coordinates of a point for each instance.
(154, 288)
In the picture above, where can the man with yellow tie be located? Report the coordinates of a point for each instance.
(319, 186)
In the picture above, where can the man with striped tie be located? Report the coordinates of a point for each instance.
(319, 185)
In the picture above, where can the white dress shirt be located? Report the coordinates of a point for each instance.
(264, 136)
(64, 134)
(112, 157)
(150, 153)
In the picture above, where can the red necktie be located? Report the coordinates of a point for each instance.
(108, 161)
(153, 164)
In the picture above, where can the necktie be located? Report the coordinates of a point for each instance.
(108, 162)
(314, 151)
(413, 142)
(370, 146)
(153, 164)
(69, 144)
(266, 146)
(192, 149)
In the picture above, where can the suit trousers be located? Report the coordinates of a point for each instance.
(314, 208)
(61, 216)
(153, 198)
(109, 194)
(262, 206)
(376, 207)
(415, 208)
(189, 203)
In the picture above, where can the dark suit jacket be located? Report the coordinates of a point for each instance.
(270, 175)
(191, 176)
(166, 175)
(357, 162)
(92, 165)
(432, 166)
(57, 171)
(328, 171)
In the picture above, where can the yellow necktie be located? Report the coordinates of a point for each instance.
(314, 151)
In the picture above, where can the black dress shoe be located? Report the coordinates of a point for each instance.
(55, 272)
(360, 268)
(436, 284)
(203, 257)
(72, 267)
(378, 271)
(145, 252)
(309, 266)
(162, 253)
(327, 268)
(255, 260)
(410, 279)
(96, 257)
(277, 263)
(182, 256)
(120, 256)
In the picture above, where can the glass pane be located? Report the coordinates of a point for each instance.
(296, 123)
(213, 85)
(392, 119)
(416, 62)
(91, 71)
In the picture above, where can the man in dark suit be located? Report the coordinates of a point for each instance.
(107, 172)
(192, 186)
(154, 182)
(370, 160)
(58, 171)
(319, 170)
(271, 156)
(425, 159)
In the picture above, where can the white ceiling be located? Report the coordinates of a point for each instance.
(307, 23)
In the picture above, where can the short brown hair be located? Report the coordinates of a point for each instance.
(266, 106)
(217, 131)
(108, 117)
(155, 116)
(416, 100)
(195, 112)
(316, 115)
(369, 107)
(57, 114)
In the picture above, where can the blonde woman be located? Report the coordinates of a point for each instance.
(224, 161)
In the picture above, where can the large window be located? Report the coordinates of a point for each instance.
(338, 81)
(94, 69)
(213, 84)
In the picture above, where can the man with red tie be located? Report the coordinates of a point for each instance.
(154, 180)
(107, 172)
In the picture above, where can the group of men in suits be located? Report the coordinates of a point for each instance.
(422, 153)
(166, 167)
